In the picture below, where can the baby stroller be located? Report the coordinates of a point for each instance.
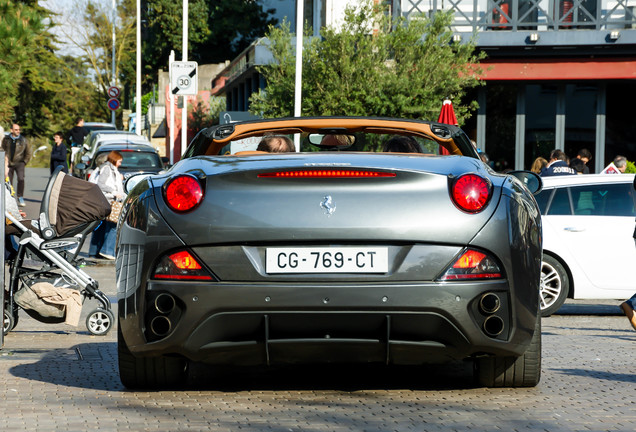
(47, 255)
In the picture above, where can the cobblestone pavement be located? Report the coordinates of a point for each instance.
(57, 377)
(61, 378)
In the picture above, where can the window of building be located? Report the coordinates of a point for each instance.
(540, 122)
(501, 108)
(580, 119)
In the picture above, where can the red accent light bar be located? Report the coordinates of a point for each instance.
(328, 173)
(182, 277)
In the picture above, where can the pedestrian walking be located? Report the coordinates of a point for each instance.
(629, 305)
(76, 138)
(58, 153)
(538, 165)
(558, 165)
(621, 163)
(18, 149)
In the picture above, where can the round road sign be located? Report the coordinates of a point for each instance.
(113, 92)
(113, 104)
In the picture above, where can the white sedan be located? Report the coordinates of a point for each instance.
(588, 244)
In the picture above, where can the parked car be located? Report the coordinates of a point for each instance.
(588, 249)
(99, 126)
(95, 139)
(339, 253)
(138, 158)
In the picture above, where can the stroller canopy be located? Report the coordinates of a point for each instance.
(70, 202)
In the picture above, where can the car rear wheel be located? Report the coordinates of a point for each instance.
(555, 285)
(148, 372)
(523, 371)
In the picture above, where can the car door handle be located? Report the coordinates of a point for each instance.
(573, 229)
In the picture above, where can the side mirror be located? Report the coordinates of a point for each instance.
(85, 158)
(165, 161)
(39, 149)
(532, 181)
(134, 180)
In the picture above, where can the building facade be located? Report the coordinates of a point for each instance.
(558, 73)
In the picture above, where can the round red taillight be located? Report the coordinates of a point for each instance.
(471, 192)
(183, 193)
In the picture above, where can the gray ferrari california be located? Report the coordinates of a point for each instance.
(330, 240)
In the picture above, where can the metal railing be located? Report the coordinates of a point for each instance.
(541, 15)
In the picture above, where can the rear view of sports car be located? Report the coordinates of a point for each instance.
(380, 241)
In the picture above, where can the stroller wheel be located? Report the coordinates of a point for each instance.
(99, 321)
(9, 320)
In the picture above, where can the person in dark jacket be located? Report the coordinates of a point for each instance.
(558, 165)
(76, 138)
(58, 154)
(18, 149)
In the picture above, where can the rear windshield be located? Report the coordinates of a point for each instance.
(133, 160)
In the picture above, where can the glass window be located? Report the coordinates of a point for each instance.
(501, 108)
(604, 200)
(543, 198)
(540, 122)
(560, 204)
(580, 120)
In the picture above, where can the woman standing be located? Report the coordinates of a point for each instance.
(110, 181)
(58, 154)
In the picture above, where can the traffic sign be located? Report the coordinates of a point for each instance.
(113, 92)
(183, 78)
(113, 104)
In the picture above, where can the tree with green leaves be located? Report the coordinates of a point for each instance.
(89, 28)
(218, 30)
(20, 27)
(373, 65)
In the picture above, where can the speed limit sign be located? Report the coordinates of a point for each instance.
(183, 78)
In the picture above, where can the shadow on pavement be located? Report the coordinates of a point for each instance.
(90, 366)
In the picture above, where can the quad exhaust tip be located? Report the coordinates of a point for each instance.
(160, 326)
(489, 303)
(493, 326)
(165, 303)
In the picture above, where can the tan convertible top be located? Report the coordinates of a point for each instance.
(318, 125)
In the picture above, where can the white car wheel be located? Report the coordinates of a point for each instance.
(555, 286)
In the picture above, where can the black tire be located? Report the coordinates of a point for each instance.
(99, 322)
(523, 371)
(555, 286)
(149, 372)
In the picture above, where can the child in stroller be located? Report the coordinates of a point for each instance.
(47, 261)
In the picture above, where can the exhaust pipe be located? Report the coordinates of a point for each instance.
(493, 326)
(489, 303)
(164, 303)
(160, 326)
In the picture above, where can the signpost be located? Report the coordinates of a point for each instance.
(113, 92)
(113, 104)
(183, 78)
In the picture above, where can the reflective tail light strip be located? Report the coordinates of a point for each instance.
(329, 173)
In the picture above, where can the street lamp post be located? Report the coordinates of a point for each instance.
(184, 110)
(138, 86)
(113, 79)
(299, 66)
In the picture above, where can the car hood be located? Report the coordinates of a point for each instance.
(414, 206)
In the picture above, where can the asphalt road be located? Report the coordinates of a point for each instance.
(57, 377)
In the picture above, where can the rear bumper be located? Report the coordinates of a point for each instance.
(240, 324)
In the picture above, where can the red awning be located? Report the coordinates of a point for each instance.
(558, 69)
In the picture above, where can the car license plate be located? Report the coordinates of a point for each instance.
(327, 260)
